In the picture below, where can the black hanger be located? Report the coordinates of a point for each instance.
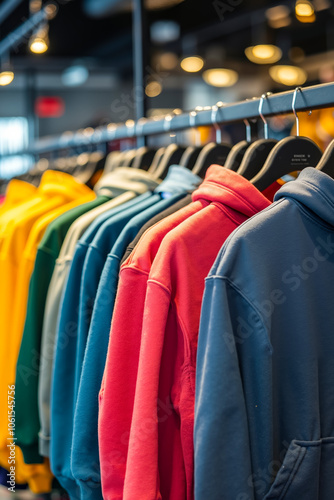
(211, 154)
(258, 151)
(236, 155)
(214, 152)
(326, 163)
(143, 158)
(289, 154)
(172, 156)
(255, 157)
(190, 156)
(157, 159)
(238, 151)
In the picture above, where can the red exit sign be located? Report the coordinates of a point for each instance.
(49, 107)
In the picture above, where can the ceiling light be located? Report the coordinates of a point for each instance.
(263, 54)
(168, 60)
(6, 77)
(39, 41)
(192, 64)
(38, 46)
(51, 10)
(75, 76)
(304, 11)
(304, 8)
(219, 77)
(288, 75)
(153, 89)
(35, 6)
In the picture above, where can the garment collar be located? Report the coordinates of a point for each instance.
(315, 190)
(178, 180)
(54, 183)
(229, 188)
(125, 179)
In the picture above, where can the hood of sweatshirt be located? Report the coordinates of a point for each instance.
(313, 189)
(178, 180)
(125, 179)
(225, 186)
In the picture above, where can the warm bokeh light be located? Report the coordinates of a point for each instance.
(304, 11)
(38, 45)
(6, 77)
(304, 8)
(153, 89)
(192, 64)
(220, 77)
(288, 75)
(263, 54)
(168, 60)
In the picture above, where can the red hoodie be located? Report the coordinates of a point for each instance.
(164, 328)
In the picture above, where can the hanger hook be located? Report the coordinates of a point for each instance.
(214, 116)
(294, 108)
(263, 97)
(168, 124)
(192, 123)
(248, 131)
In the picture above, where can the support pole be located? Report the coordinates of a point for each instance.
(140, 60)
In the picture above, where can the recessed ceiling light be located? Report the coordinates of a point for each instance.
(288, 75)
(220, 77)
(192, 64)
(6, 77)
(263, 54)
(153, 89)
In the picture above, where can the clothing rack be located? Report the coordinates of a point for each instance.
(309, 98)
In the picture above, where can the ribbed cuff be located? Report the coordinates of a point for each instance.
(30, 453)
(89, 490)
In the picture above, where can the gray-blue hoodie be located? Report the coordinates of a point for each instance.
(264, 416)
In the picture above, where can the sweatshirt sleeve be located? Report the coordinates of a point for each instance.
(119, 381)
(28, 364)
(221, 436)
(85, 461)
(156, 420)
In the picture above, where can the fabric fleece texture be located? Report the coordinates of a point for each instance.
(62, 382)
(221, 203)
(264, 385)
(169, 211)
(17, 228)
(50, 322)
(29, 360)
(85, 440)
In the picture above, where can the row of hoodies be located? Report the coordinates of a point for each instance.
(168, 340)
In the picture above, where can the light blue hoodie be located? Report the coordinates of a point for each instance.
(264, 415)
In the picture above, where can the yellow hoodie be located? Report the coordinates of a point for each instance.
(21, 227)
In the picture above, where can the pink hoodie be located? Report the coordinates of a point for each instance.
(147, 409)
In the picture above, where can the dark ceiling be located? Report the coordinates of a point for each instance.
(108, 41)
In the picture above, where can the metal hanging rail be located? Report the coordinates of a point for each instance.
(310, 98)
